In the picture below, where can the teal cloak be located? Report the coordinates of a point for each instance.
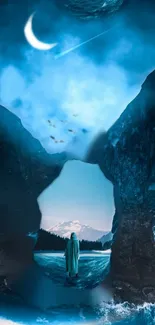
(72, 255)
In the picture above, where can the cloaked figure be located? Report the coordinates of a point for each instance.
(72, 255)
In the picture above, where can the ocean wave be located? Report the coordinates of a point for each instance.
(106, 314)
(125, 313)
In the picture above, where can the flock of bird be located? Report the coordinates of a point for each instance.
(54, 126)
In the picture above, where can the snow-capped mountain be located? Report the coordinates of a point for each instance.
(106, 238)
(64, 229)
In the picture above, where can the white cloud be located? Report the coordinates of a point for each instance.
(4, 321)
(45, 88)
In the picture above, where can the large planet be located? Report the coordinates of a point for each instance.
(89, 9)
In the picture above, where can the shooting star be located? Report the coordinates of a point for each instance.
(81, 44)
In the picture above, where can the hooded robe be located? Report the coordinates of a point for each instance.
(72, 255)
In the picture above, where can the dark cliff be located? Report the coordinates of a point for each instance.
(26, 169)
(126, 155)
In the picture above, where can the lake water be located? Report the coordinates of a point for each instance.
(91, 271)
(91, 267)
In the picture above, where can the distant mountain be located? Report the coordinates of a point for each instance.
(106, 238)
(64, 229)
(49, 242)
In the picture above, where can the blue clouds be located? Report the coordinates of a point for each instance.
(74, 90)
(88, 88)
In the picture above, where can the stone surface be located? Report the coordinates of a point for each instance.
(126, 155)
(26, 169)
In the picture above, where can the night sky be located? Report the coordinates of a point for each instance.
(94, 82)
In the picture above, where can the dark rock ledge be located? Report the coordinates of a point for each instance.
(126, 156)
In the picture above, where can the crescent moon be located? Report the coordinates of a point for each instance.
(31, 38)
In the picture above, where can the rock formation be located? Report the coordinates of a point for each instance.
(26, 169)
(126, 155)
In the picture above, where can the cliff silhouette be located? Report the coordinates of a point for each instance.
(126, 156)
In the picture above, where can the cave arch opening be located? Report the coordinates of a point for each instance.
(81, 195)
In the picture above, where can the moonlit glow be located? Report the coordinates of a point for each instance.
(31, 38)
